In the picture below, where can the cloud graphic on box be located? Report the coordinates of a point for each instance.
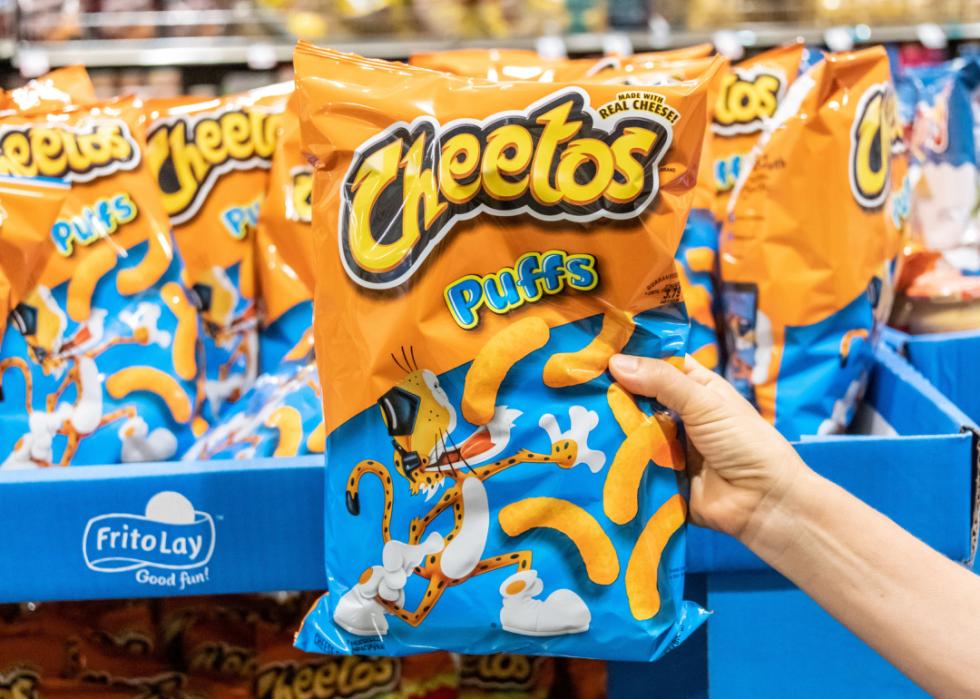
(170, 535)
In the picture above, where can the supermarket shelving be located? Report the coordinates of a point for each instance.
(244, 50)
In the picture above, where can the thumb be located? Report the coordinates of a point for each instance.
(658, 379)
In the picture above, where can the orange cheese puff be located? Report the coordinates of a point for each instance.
(642, 583)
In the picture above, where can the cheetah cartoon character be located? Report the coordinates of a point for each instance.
(232, 330)
(421, 420)
(42, 323)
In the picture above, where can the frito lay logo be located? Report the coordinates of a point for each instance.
(299, 195)
(558, 160)
(19, 684)
(748, 97)
(874, 134)
(187, 154)
(73, 153)
(347, 677)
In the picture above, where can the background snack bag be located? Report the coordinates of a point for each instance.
(210, 160)
(103, 367)
(57, 89)
(284, 256)
(749, 96)
(518, 64)
(493, 484)
(506, 676)
(806, 259)
(28, 207)
(943, 161)
(281, 415)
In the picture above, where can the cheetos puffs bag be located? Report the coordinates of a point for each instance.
(103, 366)
(210, 160)
(807, 253)
(481, 251)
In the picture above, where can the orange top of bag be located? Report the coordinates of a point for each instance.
(59, 88)
(363, 149)
(748, 95)
(517, 64)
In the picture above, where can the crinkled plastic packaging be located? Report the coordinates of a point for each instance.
(280, 415)
(748, 97)
(59, 88)
(939, 103)
(210, 160)
(104, 364)
(284, 256)
(481, 251)
(806, 254)
(28, 207)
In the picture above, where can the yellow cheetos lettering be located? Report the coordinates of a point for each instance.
(327, 678)
(747, 98)
(558, 160)
(77, 154)
(187, 154)
(874, 135)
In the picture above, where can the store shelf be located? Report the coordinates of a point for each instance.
(188, 51)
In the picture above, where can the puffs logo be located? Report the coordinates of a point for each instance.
(874, 135)
(747, 98)
(407, 187)
(75, 154)
(187, 154)
(328, 678)
(19, 684)
(299, 195)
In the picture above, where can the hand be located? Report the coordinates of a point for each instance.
(738, 463)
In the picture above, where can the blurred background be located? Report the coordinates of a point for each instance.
(164, 47)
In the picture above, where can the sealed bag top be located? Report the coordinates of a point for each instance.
(482, 249)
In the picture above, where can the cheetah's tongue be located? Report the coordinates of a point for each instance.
(476, 444)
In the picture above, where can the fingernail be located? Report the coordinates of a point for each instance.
(625, 364)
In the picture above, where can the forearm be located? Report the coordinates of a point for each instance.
(917, 608)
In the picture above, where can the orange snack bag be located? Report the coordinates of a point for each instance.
(59, 88)
(806, 260)
(284, 256)
(487, 247)
(28, 207)
(96, 360)
(210, 160)
(517, 64)
(749, 95)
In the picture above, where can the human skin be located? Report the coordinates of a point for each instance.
(917, 608)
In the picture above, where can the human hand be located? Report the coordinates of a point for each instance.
(738, 463)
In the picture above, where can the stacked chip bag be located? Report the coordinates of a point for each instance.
(103, 366)
(281, 415)
(210, 160)
(481, 251)
(59, 88)
(806, 259)
(284, 256)
(749, 96)
(940, 102)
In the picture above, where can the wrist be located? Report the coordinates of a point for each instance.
(774, 522)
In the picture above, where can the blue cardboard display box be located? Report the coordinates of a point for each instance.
(916, 463)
